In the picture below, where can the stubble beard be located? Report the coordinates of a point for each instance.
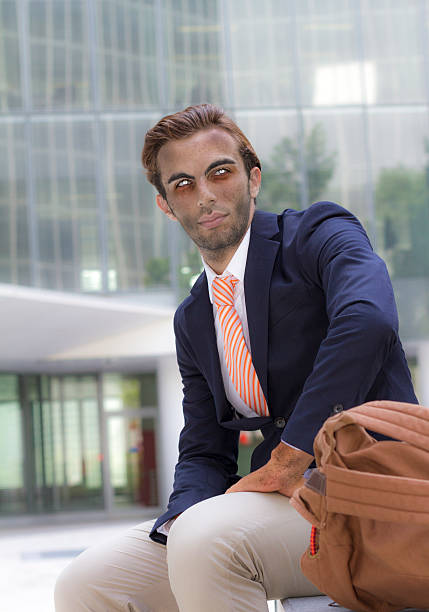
(220, 240)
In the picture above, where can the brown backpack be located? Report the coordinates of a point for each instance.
(368, 502)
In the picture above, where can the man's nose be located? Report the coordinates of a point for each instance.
(206, 197)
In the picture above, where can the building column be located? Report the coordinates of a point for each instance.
(423, 372)
(170, 423)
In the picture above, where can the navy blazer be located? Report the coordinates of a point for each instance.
(323, 332)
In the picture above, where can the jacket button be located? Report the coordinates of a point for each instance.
(279, 422)
(337, 408)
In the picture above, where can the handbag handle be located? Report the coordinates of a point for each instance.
(406, 422)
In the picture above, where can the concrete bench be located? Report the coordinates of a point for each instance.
(319, 604)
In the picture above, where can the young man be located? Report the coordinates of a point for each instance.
(293, 319)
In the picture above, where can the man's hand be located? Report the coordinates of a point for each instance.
(283, 472)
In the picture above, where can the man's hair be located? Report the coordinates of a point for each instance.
(186, 123)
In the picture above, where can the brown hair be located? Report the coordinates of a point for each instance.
(185, 123)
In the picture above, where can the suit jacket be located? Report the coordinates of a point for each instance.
(323, 332)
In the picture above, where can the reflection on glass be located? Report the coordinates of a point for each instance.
(341, 83)
(65, 192)
(137, 230)
(14, 240)
(129, 391)
(327, 39)
(394, 41)
(127, 53)
(262, 54)
(59, 48)
(10, 66)
(336, 164)
(66, 442)
(193, 48)
(132, 460)
(11, 444)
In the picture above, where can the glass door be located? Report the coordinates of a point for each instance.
(66, 469)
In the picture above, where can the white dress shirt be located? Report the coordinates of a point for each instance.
(236, 267)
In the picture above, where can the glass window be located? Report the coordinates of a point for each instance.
(59, 54)
(132, 455)
(14, 239)
(399, 141)
(12, 494)
(261, 53)
(129, 391)
(136, 228)
(194, 71)
(65, 193)
(393, 34)
(128, 69)
(274, 136)
(67, 461)
(336, 163)
(10, 67)
(328, 53)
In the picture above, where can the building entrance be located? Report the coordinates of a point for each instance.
(77, 442)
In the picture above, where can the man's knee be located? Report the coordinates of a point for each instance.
(203, 540)
(70, 588)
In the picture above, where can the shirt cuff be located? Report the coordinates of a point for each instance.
(165, 527)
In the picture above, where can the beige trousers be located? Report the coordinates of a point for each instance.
(226, 554)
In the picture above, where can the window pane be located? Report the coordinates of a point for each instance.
(59, 54)
(399, 140)
(65, 192)
(262, 54)
(137, 229)
(275, 140)
(194, 66)
(12, 497)
(129, 391)
(10, 68)
(336, 163)
(393, 42)
(128, 70)
(132, 456)
(328, 54)
(14, 240)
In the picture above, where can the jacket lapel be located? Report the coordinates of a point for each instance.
(200, 326)
(263, 249)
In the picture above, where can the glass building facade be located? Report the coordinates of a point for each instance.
(77, 442)
(333, 95)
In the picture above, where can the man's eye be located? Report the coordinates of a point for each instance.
(183, 183)
(221, 171)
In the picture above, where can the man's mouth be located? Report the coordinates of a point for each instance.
(213, 220)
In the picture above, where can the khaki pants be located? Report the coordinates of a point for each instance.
(228, 553)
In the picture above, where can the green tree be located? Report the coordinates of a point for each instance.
(282, 175)
(402, 206)
(157, 272)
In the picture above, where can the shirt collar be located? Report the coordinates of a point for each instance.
(236, 267)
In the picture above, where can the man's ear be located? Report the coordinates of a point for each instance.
(163, 205)
(254, 181)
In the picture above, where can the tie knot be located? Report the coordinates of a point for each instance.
(223, 290)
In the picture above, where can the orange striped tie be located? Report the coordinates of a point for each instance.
(237, 355)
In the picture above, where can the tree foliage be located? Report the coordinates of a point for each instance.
(402, 207)
(282, 173)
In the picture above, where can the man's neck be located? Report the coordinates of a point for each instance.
(218, 260)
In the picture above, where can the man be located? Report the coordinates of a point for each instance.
(292, 319)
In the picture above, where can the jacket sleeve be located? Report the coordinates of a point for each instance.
(207, 463)
(335, 254)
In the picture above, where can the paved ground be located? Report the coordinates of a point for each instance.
(32, 558)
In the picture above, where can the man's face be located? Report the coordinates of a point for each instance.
(207, 188)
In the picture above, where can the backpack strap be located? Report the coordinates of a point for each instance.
(377, 496)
